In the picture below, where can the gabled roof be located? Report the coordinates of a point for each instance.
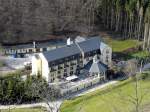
(90, 44)
(62, 52)
(103, 46)
(79, 39)
(73, 49)
(95, 67)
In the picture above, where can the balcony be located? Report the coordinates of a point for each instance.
(73, 63)
(53, 70)
(60, 67)
(66, 65)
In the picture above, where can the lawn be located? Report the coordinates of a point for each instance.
(108, 100)
(37, 109)
(121, 45)
(2, 64)
(141, 54)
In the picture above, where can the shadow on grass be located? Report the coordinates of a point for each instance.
(122, 56)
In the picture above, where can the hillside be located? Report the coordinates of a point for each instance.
(28, 20)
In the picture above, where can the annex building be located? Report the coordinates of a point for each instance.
(82, 56)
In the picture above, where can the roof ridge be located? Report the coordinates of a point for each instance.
(79, 47)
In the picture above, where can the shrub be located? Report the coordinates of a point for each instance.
(15, 90)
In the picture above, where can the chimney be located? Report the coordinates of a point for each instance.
(68, 41)
(34, 44)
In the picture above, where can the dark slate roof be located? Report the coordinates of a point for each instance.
(38, 45)
(62, 52)
(90, 44)
(66, 51)
(95, 67)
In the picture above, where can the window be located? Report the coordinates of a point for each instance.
(30, 50)
(37, 50)
(65, 74)
(71, 73)
(60, 67)
(107, 51)
(71, 68)
(65, 70)
(107, 59)
(78, 72)
(44, 49)
(58, 72)
(53, 64)
(58, 77)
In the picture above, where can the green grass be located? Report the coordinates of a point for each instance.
(140, 54)
(37, 109)
(108, 100)
(2, 64)
(121, 45)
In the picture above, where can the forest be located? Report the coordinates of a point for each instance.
(131, 18)
(28, 20)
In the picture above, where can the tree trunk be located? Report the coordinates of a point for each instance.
(145, 36)
(126, 27)
(118, 20)
(112, 18)
(148, 44)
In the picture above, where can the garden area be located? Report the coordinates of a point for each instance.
(120, 97)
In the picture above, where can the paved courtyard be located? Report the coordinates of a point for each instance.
(12, 64)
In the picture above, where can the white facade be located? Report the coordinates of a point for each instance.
(40, 66)
(45, 67)
(106, 54)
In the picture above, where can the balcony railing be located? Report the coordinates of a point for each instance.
(53, 70)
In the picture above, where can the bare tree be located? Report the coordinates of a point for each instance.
(49, 95)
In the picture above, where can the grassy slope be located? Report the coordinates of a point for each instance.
(25, 110)
(141, 54)
(121, 45)
(106, 101)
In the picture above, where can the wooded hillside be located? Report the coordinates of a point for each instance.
(131, 18)
(27, 20)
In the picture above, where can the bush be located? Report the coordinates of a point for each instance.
(15, 90)
(145, 76)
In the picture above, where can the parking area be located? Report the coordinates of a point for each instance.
(17, 63)
(12, 64)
